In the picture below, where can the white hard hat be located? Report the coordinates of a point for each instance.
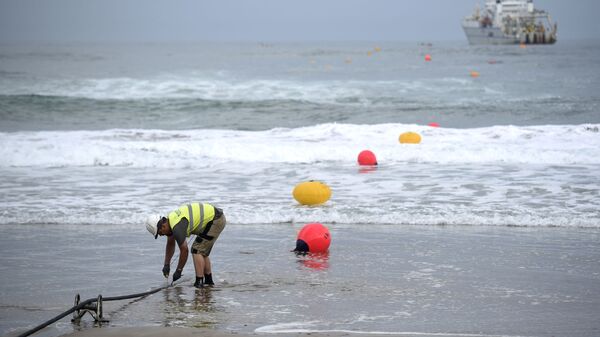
(152, 224)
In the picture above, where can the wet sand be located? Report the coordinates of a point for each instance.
(377, 279)
(186, 332)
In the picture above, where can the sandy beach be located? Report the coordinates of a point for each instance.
(412, 280)
(186, 332)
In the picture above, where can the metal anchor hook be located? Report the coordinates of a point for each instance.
(95, 310)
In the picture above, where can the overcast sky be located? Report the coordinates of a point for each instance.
(262, 20)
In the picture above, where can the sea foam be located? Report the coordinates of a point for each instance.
(552, 145)
(217, 88)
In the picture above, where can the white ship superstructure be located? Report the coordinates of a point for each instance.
(509, 22)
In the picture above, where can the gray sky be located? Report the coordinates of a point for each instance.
(262, 20)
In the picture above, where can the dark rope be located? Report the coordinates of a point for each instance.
(126, 297)
(89, 301)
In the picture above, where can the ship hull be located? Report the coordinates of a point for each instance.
(494, 36)
(488, 35)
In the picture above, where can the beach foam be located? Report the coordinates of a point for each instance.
(551, 145)
(308, 328)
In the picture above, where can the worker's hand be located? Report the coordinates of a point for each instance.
(177, 275)
(166, 270)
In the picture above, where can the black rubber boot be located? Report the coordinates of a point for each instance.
(199, 282)
(208, 280)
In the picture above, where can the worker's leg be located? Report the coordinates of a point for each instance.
(207, 266)
(199, 266)
(208, 272)
(201, 250)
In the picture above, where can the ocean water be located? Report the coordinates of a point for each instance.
(94, 137)
(104, 134)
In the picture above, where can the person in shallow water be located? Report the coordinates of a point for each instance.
(203, 220)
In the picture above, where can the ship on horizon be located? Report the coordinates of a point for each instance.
(509, 22)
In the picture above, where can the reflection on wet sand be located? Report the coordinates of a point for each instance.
(316, 261)
(188, 306)
(367, 169)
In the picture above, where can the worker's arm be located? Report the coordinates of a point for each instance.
(183, 255)
(169, 251)
(179, 236)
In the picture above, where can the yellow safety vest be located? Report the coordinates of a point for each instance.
(197, 214)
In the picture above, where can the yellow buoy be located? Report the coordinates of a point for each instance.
(311, 192)
(410, 138)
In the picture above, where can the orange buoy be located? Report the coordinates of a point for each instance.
(311, 193)
(367, 157)
(474, 74)
(409, 138)
(427, 57)
(434, 125)
(313, 238)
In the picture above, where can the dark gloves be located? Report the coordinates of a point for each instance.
(177, 275)
(166, 270)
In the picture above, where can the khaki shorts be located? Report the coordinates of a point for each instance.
(203, 246)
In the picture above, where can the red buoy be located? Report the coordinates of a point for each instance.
(434, 125)
(314, 238)
(427, 57)
(367, 157)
